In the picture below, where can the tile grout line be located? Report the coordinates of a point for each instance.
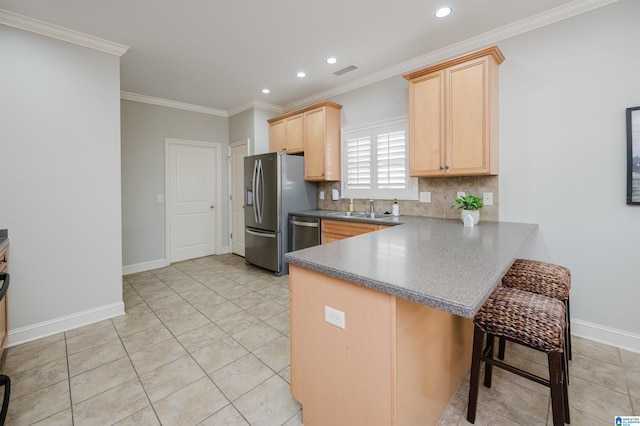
(275, 373)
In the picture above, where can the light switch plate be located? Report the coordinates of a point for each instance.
(487, 198)
(425, 197)
(322, 195)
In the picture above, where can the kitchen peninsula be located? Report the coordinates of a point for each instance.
(402, 298)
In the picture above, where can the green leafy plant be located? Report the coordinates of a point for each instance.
(467, 202)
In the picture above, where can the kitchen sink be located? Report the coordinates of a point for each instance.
(363, 215)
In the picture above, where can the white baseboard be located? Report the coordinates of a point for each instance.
(58, 325)
(144, 266)
(224, 250)
(609, 336)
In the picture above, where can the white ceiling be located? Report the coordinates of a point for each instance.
(221, 53)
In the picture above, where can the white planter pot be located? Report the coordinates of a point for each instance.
(475, 214)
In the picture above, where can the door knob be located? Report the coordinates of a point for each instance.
(211, 206)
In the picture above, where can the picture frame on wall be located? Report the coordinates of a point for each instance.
(633, 155)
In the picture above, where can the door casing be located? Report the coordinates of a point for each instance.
(238, 231)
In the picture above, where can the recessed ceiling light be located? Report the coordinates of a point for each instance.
(442, 12)
(332, 60)
(266, 91)
(301, 74)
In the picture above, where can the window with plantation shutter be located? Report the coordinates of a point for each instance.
(375, 162)
(359, 162)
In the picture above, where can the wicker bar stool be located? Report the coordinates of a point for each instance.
(548, 280)
(528, 319)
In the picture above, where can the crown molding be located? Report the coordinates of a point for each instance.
(54, 31)
(268, 107)
(130, 96)
(255, 104)
(559, 13)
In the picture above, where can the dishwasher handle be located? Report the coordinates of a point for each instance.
(307, 224)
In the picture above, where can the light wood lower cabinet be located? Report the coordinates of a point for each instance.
(3, 303)
(334, 230)
(396, 362)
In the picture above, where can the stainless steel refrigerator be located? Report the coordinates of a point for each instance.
(274, 186)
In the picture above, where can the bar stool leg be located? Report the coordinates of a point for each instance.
(488, 367)
(6, 382)
(474, 379)
(565, 391)
(501, 347)
(568, 332)
(556, 373)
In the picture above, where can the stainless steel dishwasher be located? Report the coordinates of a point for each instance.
(303, 232)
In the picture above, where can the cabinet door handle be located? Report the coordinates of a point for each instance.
(446, 167)
(441, 168)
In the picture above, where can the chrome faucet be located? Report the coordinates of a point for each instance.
(371, 210)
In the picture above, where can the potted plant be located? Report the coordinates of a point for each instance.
(470, 206)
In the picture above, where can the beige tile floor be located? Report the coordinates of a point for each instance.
(206, 342)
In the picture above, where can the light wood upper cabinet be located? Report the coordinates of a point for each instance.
(322, 143)
(453, 116)
(314, 131)
(286, 135)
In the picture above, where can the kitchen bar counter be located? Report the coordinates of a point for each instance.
(435, 262)
(381, 325)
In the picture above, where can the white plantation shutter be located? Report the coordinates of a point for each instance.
(375, 162)
(392, 160)
(359, 162)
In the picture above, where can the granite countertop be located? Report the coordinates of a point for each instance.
(436, 262)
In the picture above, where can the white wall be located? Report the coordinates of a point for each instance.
(252, 124)
(261, 129)
(563, 93)
(241, 127)
(60, 174)
(376, 102)
(144, 130)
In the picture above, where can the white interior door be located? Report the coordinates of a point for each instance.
(191, 200)
(237, 151)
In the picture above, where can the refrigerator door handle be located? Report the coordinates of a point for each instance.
(260, 234)
(255, 194)
(260, 194)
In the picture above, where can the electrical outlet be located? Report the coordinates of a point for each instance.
(425, 197)
(322, 195)
(460, 194)
(487, 198)
(160, 198)
(334, 317)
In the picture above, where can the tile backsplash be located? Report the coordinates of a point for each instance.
(443, 194)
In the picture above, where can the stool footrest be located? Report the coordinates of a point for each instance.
(515, 370)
